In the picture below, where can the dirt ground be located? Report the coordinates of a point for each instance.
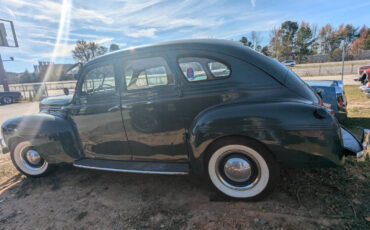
(73, 198)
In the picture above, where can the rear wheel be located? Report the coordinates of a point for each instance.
(28, 161)
(242, 169)
(7, 100)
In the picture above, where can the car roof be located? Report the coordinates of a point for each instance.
(184, 43)
(227, 47)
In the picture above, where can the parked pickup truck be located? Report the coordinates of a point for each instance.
(204, 106)
(10, 97)
(332, 93)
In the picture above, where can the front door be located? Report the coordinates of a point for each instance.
(97, 116)
(150, 110)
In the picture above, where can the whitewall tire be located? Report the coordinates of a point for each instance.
(242, 169)
(28, 161)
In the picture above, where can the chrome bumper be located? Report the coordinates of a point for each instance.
(365, 152)
(3, 148)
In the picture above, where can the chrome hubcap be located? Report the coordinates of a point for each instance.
(33, 157)
(7, 100)
(237, 169)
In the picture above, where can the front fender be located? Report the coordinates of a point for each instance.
(53, 136)
(290, 130)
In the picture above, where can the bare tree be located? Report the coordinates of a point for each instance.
(256, 40)
(85, 51)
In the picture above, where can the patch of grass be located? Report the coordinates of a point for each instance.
(358, 111)
(354, 95)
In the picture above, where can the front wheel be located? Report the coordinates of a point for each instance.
(7, 100)
(28, 161)
(242, 169)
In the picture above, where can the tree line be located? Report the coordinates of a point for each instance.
(298, 41)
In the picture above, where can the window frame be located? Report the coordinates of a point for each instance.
(91, 67)
(207, 70)
(167, 67)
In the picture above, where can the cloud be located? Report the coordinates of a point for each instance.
(43, 35)
(103, 41)
(149, 33)
(253, 2)
(60, 51)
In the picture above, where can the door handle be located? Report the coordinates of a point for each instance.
(114, 108)
(123, 106)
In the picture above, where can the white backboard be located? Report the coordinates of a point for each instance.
(8, 37)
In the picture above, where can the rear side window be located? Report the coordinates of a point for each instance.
(147, 73)
(200, 69)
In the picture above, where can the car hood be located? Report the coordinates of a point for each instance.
(56, 101)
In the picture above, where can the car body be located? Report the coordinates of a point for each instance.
(332, 93)
(363, 76)
(366, 89)
(288, 63)
(204, 106)
(10, 97)
(362, 69)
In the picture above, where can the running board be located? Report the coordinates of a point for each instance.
(134, 166)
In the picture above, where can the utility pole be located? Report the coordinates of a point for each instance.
(343, 54)
(4, 80)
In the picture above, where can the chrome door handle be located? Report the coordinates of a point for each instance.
(123, 106)
(114, 108)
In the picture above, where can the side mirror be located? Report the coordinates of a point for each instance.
(66, 91)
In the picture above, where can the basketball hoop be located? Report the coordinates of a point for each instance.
(7, 39)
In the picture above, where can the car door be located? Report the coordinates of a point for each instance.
(150, 110)
(96, 113)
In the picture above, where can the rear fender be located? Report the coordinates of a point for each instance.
(289, 130)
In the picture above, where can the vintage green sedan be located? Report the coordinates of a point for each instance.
(203, 106)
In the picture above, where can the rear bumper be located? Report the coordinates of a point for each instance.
(354, 147)
(364, 89)
(365, 152)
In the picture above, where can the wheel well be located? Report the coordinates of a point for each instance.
(240, 138)
(13, 142)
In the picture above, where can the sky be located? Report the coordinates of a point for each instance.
(47, 30)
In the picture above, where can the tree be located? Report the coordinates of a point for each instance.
(361, 43)
(275, 43)
(265, 51)
(245, 42)
(85, 51)
(304, 41)
(256, 40)
(113, 47)
(288, 30)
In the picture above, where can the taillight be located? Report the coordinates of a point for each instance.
(340, 101)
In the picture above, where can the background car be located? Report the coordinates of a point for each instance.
(361, 69)
(363, 75)
(332, 93)
(9, 97)
(288, 63)
(366, 89)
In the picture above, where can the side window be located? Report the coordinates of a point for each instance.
(99, 80)
(147, 73)
(218, 69)
(199, 69)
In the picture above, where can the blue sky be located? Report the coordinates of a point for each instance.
(47, 30)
